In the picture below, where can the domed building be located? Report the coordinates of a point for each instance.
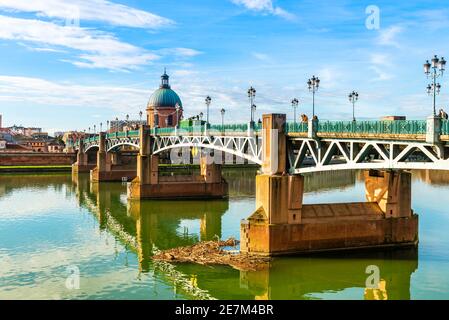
(162, 107)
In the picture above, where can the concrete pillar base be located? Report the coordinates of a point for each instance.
(76, 168)
(262, 238)
(177, 190)
(282, 224)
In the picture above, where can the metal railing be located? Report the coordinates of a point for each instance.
(397, 127)
(298, 127)
(373, 127)
(445, 127)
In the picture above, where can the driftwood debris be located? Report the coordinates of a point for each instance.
(212, 252)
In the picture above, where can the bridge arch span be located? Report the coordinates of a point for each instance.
(238, 153)
(115, 147)
(91, 147)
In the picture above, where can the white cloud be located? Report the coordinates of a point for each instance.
(380, 59)
(261, 56)
(381, 75)
(37, 91)
(92, 10)
(181, 52)
(99, 49)
(265, 6)
(380, 64)
(387, 36)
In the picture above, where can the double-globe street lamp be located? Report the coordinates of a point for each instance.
(252, 96)
(295, 103)
(222, 112)
(353, 97)
(313, 85)
(208, 101)
(434, 69)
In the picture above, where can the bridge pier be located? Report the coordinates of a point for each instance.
(82, 161)
(108, 165)
(282, 224)
(149, 185)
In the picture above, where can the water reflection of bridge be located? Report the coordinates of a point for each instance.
(146, 225)
(313, 277)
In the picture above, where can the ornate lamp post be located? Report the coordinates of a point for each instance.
(177, 115)
(95, 128)
(101, 127)
(222, 111)
(434, 69)
(251, 96)
(140, 116)
(313, 85)
(201, 116)
(89, 130)
(253, 112)
(107, 125)
(295, 103)
(208, 100)
(353, 97)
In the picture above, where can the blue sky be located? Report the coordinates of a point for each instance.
(60, 75)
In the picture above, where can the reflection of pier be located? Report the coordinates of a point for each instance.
(145, 226)
(433, 177)
(314, 277)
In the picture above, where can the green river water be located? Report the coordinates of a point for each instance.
(52, 228)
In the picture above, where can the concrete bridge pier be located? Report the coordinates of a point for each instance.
(282, 224)
(149, 185)
(108, 165)
(82, 161)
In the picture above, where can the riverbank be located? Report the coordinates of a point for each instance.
(35, 169)
(68, 168)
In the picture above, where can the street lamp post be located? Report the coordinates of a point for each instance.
(253, 112)
(140, 116)
(101, 127)
(222, 111)
(208, 101)
(177, 115)
(95, 129)
(251, 96)
(353, 97)
(107, 125)
(295, 103)
(434, 69)
(313, 85)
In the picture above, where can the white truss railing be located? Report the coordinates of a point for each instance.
(246, 147)
(309, 155)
